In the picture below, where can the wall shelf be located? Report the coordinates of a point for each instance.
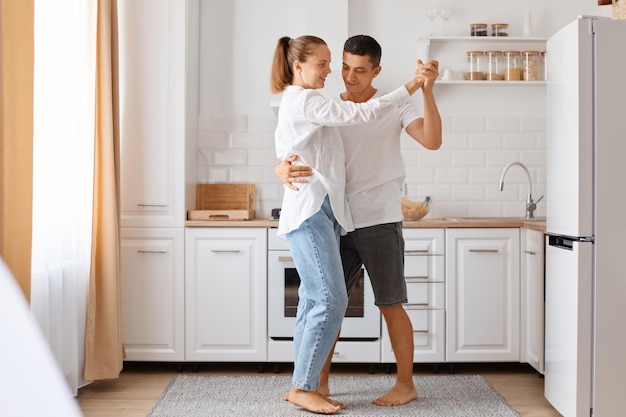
(490, 83)
(496, 39)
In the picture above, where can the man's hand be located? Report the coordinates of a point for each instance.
(429, 72)
(289, 174)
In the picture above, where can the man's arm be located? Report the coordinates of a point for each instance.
(289, 174)
(427, 130)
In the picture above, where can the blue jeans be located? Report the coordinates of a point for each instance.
(322, 292)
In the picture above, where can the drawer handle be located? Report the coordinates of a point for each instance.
(151, 251)
(225, 250)
(285, 259)
(418, 304)
(530, 252)
(151, 205)
(484, 250)
(420, 331)
(415, 251)
(415, 277)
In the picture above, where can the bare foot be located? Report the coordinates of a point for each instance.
(311, 401)
(323, 389)
(341, 405)
(398, 395)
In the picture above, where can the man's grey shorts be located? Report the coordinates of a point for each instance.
(381, 249)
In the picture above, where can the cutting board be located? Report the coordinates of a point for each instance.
(224, 202)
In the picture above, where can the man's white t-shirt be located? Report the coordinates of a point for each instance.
(375, 170)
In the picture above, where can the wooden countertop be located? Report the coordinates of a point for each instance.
(450, 222)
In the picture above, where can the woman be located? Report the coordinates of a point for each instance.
(313, 218)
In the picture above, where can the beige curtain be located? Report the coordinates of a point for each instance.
(16, 137)
(103, 340)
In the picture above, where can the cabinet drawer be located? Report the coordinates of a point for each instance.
(345, 351)
(428, 337)
(423, 267)
(425, 294)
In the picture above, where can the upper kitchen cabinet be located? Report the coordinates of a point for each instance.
(153, 81)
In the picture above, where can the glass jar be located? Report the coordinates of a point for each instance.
(543, 68)
(475, 61)
(478, 29)
(512, 65)
(530, 65)
(619, 9)
(500, 29)
(493, 66)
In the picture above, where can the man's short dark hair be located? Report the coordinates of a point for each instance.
(364, 45)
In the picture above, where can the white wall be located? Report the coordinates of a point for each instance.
(485, 127)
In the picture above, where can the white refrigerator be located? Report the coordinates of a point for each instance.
(585, 298)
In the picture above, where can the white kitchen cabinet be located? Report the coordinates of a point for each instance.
(532, 297)
(482, 295)
(226, 294)
(152, 291)
(152, 60)
(424, 273)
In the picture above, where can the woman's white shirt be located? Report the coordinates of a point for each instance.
(308, 127)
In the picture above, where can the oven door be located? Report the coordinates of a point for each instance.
(362, 321)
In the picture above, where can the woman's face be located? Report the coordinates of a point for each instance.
(312, 73)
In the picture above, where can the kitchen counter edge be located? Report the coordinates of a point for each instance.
(536, 224)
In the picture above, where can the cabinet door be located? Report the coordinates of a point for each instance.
(533, 273)
(152, 278)
(226, 294)
(482, 295)
(152, 112)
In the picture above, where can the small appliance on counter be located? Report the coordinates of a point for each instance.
(275, 214)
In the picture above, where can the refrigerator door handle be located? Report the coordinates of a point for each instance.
(567, 242)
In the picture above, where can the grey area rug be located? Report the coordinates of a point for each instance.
(261, 396)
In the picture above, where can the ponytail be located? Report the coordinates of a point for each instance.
(287, 52)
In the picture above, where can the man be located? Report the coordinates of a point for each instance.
(374, 179)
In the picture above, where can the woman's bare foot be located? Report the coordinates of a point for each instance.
(323, 389)
(341, 405)
(398, 395)
(311, 401)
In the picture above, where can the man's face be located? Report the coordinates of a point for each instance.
(358, 72)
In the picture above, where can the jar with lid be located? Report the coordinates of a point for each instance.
(543, 68)
(530, 65)
(478, 29)
(500, 29)
(475, 65)
(512, 65)
(493, 66)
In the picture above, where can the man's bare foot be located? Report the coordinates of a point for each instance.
(398, 395)
(311, 401)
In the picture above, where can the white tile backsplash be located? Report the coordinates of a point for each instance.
(461, 177)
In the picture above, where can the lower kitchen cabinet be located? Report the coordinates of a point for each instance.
(532, 286)
(152, 293)
(425, 276)
(226, 294)
(482, 295)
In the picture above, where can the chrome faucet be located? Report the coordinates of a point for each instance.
(531, 205)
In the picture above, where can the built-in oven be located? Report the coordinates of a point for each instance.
(362, 318)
